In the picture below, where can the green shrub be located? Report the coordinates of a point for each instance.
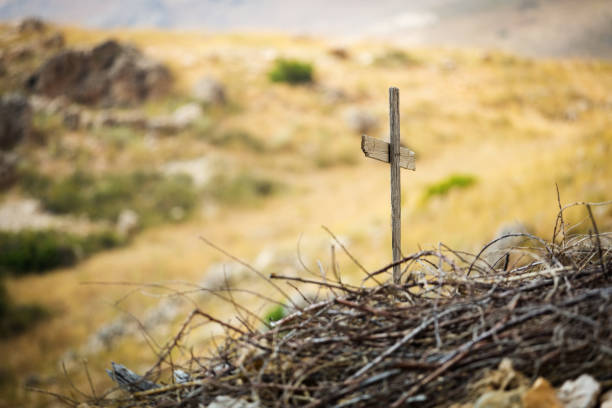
(15, 319)
(242, 189)
(152, 195)
(274, 314)
(453, 181)
(291, 71)
(38, 251)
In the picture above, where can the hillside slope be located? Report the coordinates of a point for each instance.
(514, 126)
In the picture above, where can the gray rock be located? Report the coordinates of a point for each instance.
(109, 74)
(497, 255)
(201, 170)
(128, 222)
(163, 124)
(15, 120)
(180, 376)
(360, 121)
(209, 91)
(219, 274)
(224, 401)
(128, 380)
(185, 115)
(8, 169)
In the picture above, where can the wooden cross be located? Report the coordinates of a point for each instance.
(398, 157)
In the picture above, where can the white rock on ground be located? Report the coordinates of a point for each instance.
(201, 170)
(219, 273)
(360, 121)
(209, 91)
(128, 222)
(582, 392)
(224, 401)
(185, 115)
(26, 214)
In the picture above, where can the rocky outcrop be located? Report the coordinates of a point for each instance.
(15, 120)
(110, 74)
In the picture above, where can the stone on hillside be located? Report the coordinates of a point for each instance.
(498, 254)
(339, 52)
(128, 222)
(162, 314)
(201, 170)
(582, 392)
(219, 274)
(15, 120)
(360, 121)
(209, 91)
(163, 124)
(8, 169)
(109, 74)
(333, 95)
(187, 114)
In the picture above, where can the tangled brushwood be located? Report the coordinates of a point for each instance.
(417, 344)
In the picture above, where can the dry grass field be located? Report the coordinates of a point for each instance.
(517, 127)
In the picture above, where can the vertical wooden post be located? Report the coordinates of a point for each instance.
(394, 158)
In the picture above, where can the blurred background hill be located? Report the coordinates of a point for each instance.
(528, 27)
(129, 129)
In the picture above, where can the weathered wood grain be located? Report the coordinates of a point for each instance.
(396, 205)
(379, 149)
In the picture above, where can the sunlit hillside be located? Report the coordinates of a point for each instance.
(281, 161)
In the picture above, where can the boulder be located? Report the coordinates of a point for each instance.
(8, 169)
(209, 91)
(185, 115)
(360, 121)
(15, 120)
(110, 74)
(128, 222)
(583, 392)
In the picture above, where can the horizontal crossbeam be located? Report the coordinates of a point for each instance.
(379, 149)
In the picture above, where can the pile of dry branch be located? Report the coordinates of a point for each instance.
(420, 343)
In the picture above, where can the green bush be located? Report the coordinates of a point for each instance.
(291, 71)
(274, 314)
(38, 251)
(15, 319)
(151, 195)
(453, 181)
(242, 189)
